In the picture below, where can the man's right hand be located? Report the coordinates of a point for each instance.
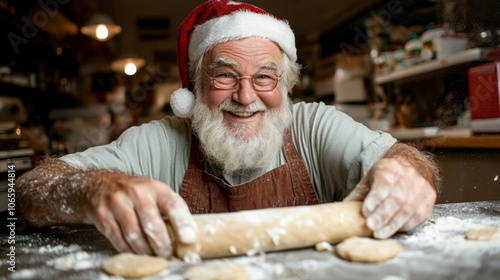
(129, 211)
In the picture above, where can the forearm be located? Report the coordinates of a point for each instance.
(55, 193)
(127, 209)
(423, 164)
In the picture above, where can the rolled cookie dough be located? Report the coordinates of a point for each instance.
(217, 270)
(134, 266)
(273, 229)
(484, 234)
(369, 250)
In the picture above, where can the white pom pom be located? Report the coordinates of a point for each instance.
(182, 102)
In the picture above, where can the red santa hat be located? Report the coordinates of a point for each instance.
(219, 21)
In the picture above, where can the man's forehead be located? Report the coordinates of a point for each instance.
(254, 50)
(228, 62)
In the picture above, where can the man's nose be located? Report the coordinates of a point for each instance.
(245, 93)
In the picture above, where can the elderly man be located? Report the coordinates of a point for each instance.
(238, 143)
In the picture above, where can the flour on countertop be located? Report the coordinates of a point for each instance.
(441, 234)
(76, 261)
(59, 249)
(108, 277)
(393, 277)
(258, 268)
(33, 247)
(25, 274)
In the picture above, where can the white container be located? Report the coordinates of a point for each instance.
(428, 40)
(450, 45)
(430, 35)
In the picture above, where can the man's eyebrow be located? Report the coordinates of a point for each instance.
(222, 61)
(270, 65)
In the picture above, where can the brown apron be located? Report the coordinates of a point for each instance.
(286, 185)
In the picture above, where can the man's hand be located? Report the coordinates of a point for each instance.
(396, 197)
(128, 211)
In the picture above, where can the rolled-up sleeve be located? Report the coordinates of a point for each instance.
(337, 150)
(157, 150)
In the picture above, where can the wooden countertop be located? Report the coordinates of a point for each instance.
(433, 137)
(471, 142)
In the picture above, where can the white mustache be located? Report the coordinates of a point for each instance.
(229, 105)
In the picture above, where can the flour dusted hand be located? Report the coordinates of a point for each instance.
(398, 195)
(129, 213)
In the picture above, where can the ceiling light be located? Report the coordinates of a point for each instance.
(101, 27)
(130, 69)
(128, 65)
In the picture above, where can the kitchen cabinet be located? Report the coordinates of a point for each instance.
(469, 165)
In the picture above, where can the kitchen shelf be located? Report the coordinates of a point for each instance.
(464, 57)
(49, 98)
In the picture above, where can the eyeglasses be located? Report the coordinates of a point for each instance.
(260, 81)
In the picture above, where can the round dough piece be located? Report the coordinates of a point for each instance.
(361, 249)
(484, 234)
(217, 270)
(134, 266)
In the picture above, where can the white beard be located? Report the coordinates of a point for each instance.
(237, 155)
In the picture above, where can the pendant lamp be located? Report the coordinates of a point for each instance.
(101, 26)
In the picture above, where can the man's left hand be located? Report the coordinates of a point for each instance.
(396, 197)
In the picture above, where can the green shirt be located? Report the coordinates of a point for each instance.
(336, 150)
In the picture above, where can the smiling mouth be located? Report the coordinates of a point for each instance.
(243, 114)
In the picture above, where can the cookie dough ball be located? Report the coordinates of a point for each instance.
(361, 249)
(323, 247)
(134, 266)
(484, 234)
(217, 270)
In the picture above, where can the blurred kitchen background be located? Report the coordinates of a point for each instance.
(77, 73)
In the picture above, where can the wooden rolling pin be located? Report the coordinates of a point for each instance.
(273, 229)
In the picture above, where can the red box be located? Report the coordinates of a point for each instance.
(484, 97)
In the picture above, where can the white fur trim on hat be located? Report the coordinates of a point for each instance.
(182, 103)
(240, 25)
